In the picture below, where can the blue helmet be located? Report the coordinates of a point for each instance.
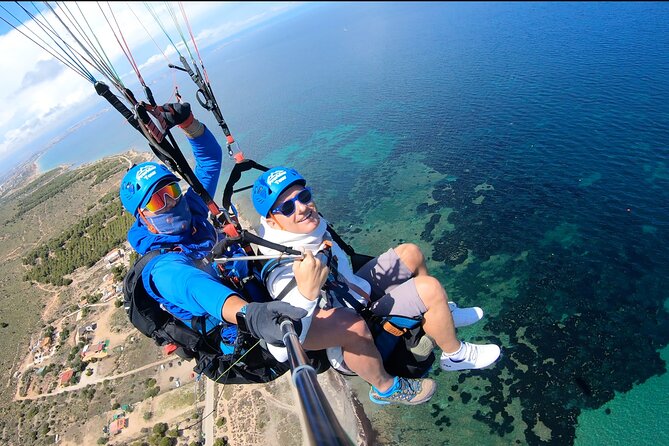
(140, 182)
(271, 184)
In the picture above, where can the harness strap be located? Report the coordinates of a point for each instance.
(344, 298)
(287, 289)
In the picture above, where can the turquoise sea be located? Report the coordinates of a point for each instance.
(525, 147)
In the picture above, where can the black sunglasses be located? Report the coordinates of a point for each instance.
(287, 208)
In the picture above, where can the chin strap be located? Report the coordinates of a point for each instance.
(147, 223)
(273, 218)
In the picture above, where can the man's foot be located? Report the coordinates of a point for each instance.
(470, 356)
(465, 316)
(405, 391)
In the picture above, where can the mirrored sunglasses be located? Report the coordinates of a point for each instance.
(158, 202)
(287, 208)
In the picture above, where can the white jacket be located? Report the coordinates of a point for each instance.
(281, 275)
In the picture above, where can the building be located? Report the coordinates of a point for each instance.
(46, 342)
(117, 425)
(113, 256)
(66, 376)
(98, 350)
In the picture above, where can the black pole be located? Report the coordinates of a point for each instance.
(322, 424)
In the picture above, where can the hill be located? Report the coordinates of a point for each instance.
(68, 343)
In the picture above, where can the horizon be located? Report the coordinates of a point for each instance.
(44, 114)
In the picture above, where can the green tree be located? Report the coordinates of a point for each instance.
(160, 428)
(103, 440)
(93, 298)
(167, 441)
(48, 331)
(173, 432)
(44, 430)
(119, 272)
(64, 334)
(153, 391)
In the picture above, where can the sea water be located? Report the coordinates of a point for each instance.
(524, 147)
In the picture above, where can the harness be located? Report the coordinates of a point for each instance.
(216, 350)
(394, 336)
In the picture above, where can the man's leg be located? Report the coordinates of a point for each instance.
(424, 295)
(437, 320)
(413, 258)
(343, 327)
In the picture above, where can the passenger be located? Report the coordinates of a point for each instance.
(176, 222)
(397, 283)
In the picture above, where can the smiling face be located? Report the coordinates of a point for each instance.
(303, 221)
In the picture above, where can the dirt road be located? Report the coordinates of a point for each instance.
(80, 386)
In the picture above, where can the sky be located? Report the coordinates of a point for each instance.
(41, 96)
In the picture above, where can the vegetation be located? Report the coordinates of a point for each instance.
(40, 181)
(81, 245)
(153, 391)
(42, 219)
(50, 187)
(119, 272)
(93, 298)
(160, 428)
(46, 192)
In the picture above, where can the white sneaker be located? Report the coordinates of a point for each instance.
(465, 316)
(476, 356)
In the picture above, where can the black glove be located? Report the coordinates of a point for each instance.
(262, 320)
(175, 113)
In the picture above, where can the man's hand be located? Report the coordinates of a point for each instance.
(310, 274)
(264, 320)
(175, 113)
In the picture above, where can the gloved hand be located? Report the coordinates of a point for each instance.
(175, 113)
(262, 320)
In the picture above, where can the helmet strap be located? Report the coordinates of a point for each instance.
(147, 223)
(272, 217)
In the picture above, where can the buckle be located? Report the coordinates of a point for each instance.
(394, 329)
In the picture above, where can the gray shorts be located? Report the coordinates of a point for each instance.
(393, 289)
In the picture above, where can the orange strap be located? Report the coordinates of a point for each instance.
(393, 329)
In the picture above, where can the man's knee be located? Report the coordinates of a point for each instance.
(411, 255)
(360, 331)
(429, 289)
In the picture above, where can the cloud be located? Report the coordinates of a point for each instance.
(41, 94)
(45, 70)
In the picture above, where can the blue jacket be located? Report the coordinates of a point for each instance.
(178, 279)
